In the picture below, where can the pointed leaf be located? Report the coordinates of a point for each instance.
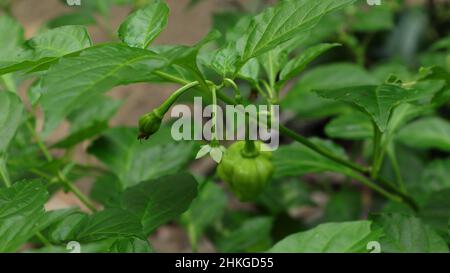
(298, 64)
(145, 24)
(46, 47)
(427, 133)
(10, 117)
(75, 80)
(296, 159)
(284, 21)
(157, 201)
(21, 210)
(408, 234)
(376, 101)
(133, 161)
(346, 237)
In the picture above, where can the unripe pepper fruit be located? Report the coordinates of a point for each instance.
(246, 170)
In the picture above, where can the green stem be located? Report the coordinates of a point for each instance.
(39, 142)
(8, 82)
(377, 188)
(238, 96)
(83, 198)
(395, 165)
(4, 172)
(376, 161)
(41, 238)
(175, 95)
(61, 177)
(293, 135)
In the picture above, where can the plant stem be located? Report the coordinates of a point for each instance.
(61, 177)
(4, 172)
(377, 188)
(175, 95)
(41, 238)
(398, 196)
(39, 142)
(398, 174)
(83, 198)
(376, 161)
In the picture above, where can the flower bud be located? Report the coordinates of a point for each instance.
(149, 124)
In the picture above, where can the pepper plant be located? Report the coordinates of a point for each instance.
(365, 136)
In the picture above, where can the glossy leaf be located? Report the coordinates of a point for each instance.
(21, 210)
(306, 103)
(376, 101)
(354, 125)
(76, 79)
(426, 133)
(282, 22)
(346, 237)
(89, 120)
(110, 223)
(408, 234)
(157, 201)
(133, 162)
(296, 159)
(46, 47)
(10, 117)
(145, 24)
(299, 63)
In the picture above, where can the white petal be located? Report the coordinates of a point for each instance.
(204, 150)
(216, 154)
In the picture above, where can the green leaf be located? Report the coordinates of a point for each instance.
(346, 237)
(76, 79)
(436, 175)
(47, 47)
(206, 208)
(157, 201)
(10, 117)
(185, 57)
(344, 205)
(145, 24)
(21, 210)
(89, 120)
(73, 18)
(285, 194)
(426, 133)
(435, 211)
(283, 22)
(110, 223)
(66, 229)
(114, 245)
(132, 161)
(12, 36)
(299, 63)
(375, 18)
(296, 159)
(107, 190)
(305, 103)
(252, 236)
(273, 61)
(408, 234)
(376, 101)
(354, 125)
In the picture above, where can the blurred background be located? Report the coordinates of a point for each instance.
(189, 21)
